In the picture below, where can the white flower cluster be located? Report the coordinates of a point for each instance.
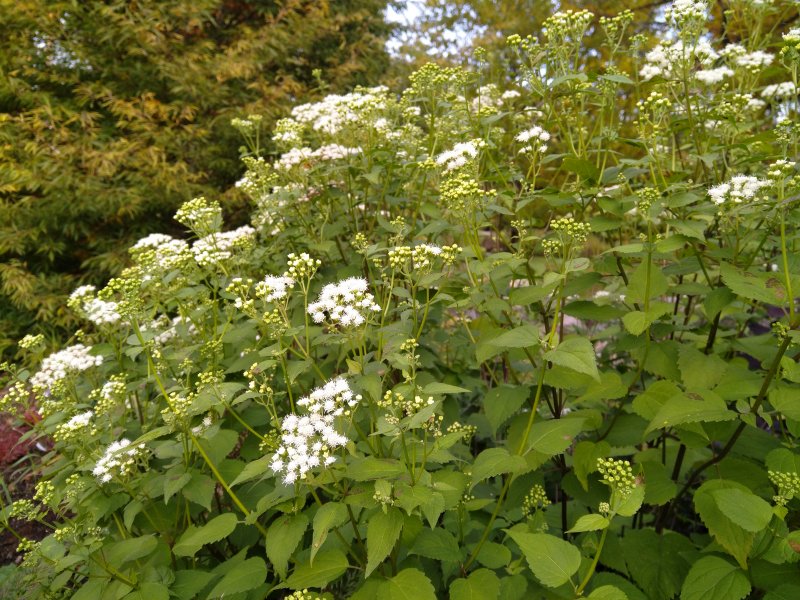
(118, 460)
(99, 312)
(79, 424)
(712, 76)
(217, 247)
(307, 441)
(755, 60)
(662, 60)
(509, 95)
(683, 11)
(169, 328)
(535, 140)
(161, 250)
(792, 36)
(274, 287)
(779, 91)
(305, 155)
(461, 154)
(334, 112)
(738, 189)
(59, 365)
(344, 302)
(200, 215)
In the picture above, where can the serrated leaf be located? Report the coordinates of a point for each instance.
(552, 560)
(495, 461)
(501, 403)
(328, 566)
(591, 522)
(365, 469)
(195, 538)
(253, 469)
(752, 286)
(639, 289)
(149, 590)
(118, 553)
(554, 436)
(408, 584)
(748, 511)
(383, 530)
(247, 575)
(444, 388)
(483, 584)
(655, 561)
(713, 578)
(329, 516)
(735, 539)
(607, 592)
(438, 544)
(699, 370)
(282, 538)
(681, 409)
(525, 336)
(576, 353)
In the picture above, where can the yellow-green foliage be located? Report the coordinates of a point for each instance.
(113, 113)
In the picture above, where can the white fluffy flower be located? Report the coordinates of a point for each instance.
(779, 91)
(307, 441)
(661, 60)
(346, 303)
(59, 365)
(274, 287)
(712, 76)
(461, 154)
(119, 459)
(754, 60)
(738, 189)
(217, 247)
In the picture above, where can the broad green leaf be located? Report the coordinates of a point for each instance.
(714, 578)
(699, 370)
(760, 287)
(580, 166)
(655, 561)
(329, 516)
(525, 336)
(629, 505)
(495, 461)
(637, 321)
(503, 402)
(444, 388)
(149, 590)
(784, 592)
(716, 300)
(649, 402)
(365, 469)
(607, 592)
(189, 582)
(282, 538)
(731, 536)
(383, 530)
(328, 566)
(639, 289)
(591, 522)
(681, 409)
(554, 436)
(493, 555)
(748, 511)
(584, 309)
(124, 551)
(483, 584)
(584, 459)
(253, 469)
(174, 482)
(438, 544)
(408, 584)
(576, 353)
(552, 560)
(245, 576)
(195, 538)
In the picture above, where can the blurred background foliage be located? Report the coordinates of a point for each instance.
(113, 113)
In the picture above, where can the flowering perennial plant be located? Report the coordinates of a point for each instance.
(437, 366)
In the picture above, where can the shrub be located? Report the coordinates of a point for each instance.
(527, 343)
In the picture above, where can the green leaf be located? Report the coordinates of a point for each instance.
(716, 300)
(328, 566)
(784, 592)
(580, 166)
(444, 388)
(494, 461)
(329, 516)
(174, 482)
(408, 584)
(648, 403)
(149, 590)
(247, 575)
(655, 561)
(748, 511)
(638, 289)
(483, 584)
(607, 592)
(383, 530)
(584, 459)
(282, 538)
(438, 544)
(365, 469)
(713, 578)
(591, 522)
(118, 553)
(760, 287)
(526, 336)
(681, 409)
(584, 309)
(731, 536)
(253, 469)
(503, 402)
(637, 321)
(699, 370)
(576, 353)
(189, 582)
(554, 436)
(195, 538)
(552, 560)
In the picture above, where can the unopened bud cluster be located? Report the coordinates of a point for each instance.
(618, 474)
(534, 500)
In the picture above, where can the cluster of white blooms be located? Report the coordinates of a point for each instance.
(683, 11)
(510, 95)
(168, 328)
(200, 215)
(80, 424)
(344, 302)
(755, 60)
(119, 460)
(305, 156)
(461, 154)
(487, 99)
(738, 189)
(662, 60)
(217, 247)
(99, 312)
(792, 36)
(59, 365)
(161, 250)
(535, 140)
(712, 76)
(779, 91)
(780, 169)
(274, 287)
(334, 112)
(308, 441)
